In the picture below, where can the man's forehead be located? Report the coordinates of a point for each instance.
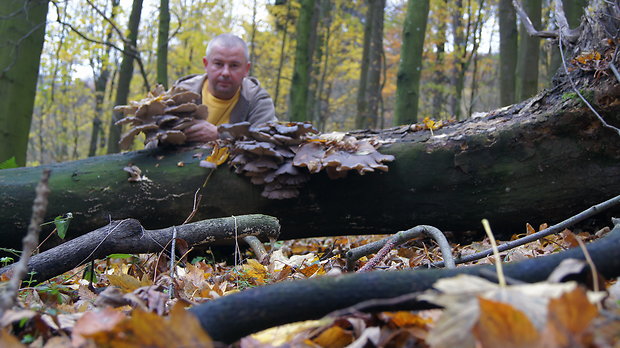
(228, 53)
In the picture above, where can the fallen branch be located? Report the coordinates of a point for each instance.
(128, 236)
(234, 316)
(381, 247)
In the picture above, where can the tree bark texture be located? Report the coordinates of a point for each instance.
(370, 75)
(22, 33)
(508, 52)
(125, 74)
(232, 317)
(410, 68)
(298, 105)
(529, 52)
(538, 161)
(128, 236)
(162, 42)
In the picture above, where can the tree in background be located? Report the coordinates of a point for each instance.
(409, 70)
(529, 53)
(369, 92)
(162, 42)
(100, 63)
(508, 51)
(298, 104)
(22, 32)
(125, 74)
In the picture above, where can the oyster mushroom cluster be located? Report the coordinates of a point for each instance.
(339, 153)
(265, 153)
(161, 116)
(274, 155)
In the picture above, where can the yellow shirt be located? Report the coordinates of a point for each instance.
(219, 109)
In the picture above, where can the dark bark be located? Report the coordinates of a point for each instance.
(232, 317)
(125, 75)
(128, 236)
(538, 161)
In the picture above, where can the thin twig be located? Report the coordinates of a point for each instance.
(593, 210)
(29, 242)
(403, 236)
(173, 245)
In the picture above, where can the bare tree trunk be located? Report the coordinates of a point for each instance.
(22, 32)
(125, 75)
(529, 53)
(508, 49)
(162, 43)
(410, 68)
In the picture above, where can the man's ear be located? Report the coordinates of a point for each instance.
(205, 62)
(247, 69)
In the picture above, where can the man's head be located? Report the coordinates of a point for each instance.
(226, 63)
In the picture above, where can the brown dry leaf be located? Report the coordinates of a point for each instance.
(334, 337)
(9, 341)
(126, 282)
(569, 320)
(146, 329)
(501, 325)
(95, 324)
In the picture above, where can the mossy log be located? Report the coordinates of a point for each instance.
(538, 161)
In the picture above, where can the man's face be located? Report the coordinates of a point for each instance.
(226, 67)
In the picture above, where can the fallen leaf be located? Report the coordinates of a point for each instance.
(501, 325)
(334, 337)
(569, 319)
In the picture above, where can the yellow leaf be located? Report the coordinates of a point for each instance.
(218, 155)
(334, 337)
(501, 325)
(256, 270)
(126, 282)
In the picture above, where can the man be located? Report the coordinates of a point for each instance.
(225, 88)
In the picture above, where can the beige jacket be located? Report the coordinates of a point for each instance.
(254, 105)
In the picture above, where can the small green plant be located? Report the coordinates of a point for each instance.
(31, 279)
(6, 260)
(61, 223)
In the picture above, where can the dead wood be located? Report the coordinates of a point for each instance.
(128, 236)
(234, 316)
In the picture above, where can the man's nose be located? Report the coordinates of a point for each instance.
(226, 70)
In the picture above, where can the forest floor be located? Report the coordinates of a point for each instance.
(128, 304)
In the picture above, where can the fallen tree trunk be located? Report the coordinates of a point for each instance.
(128, 236)
(232, 317)
(538, 161)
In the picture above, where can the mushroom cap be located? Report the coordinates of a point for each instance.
(236, 130)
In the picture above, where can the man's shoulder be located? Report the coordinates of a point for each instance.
(251, 87)
(191, 82)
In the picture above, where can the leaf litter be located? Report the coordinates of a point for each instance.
(129, 304)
